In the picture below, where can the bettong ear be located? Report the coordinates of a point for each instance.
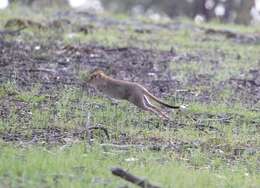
(99, 75)
(96, 71)
(95, 74)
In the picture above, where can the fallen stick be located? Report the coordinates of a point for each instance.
(131, 178)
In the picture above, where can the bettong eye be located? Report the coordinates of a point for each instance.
(92, 77)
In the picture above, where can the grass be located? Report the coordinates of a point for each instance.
(36, 166)
(216, 155)
(205, 164)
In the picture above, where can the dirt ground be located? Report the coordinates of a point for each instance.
(54, 66)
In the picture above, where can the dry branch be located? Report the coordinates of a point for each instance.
(132, 178)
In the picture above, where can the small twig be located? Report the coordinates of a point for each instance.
(88, 133)
(49, 71)
(216, 120)
(101, 128)
(189, 117)
(89, 129)
(131, 178)
(202, 127)
(124, 147)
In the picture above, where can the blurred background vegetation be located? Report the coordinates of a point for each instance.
(231, 11)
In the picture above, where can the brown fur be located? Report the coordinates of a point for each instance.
(133, 92)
